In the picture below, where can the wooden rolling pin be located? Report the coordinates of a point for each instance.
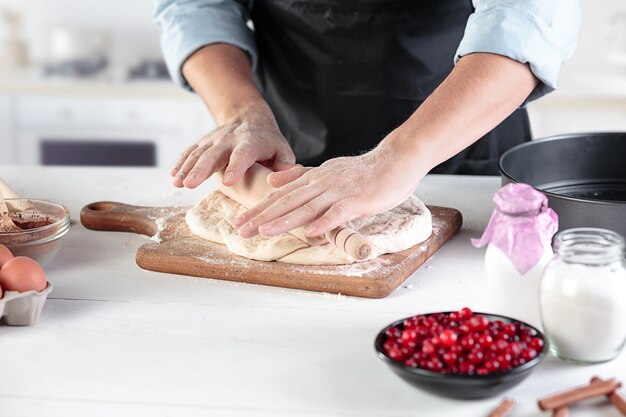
(253, 188)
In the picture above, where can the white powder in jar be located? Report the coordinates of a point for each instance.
(583, 310)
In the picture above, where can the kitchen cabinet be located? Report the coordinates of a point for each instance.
(90, 122)
(48, 126)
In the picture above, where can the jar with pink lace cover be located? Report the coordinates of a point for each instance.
(518, 239)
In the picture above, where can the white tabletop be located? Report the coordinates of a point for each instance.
(115, 340)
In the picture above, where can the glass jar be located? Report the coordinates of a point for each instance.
(518, 239)
(582, 296)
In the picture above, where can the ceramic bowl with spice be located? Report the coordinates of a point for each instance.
(461, 354)
(42, 224)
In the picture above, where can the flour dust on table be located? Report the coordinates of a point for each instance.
(392, 231)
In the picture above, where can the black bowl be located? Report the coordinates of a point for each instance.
(458, 385)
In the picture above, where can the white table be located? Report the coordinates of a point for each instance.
(115, 340)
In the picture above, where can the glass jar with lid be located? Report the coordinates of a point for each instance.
(583, 295)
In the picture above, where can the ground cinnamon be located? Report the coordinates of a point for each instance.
(616, 399)
(503, 408)
(565, 398)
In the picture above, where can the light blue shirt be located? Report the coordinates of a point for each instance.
(542, 33)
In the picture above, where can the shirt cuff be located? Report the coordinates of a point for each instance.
(516, 33)
(187, 33)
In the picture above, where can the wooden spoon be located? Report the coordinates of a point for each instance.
(6, 223)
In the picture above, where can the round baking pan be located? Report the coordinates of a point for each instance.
(583, 175)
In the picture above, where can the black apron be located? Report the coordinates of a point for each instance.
(342, 74)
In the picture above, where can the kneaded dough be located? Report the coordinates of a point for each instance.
(395, 230)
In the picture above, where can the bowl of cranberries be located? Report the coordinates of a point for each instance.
(461, 354)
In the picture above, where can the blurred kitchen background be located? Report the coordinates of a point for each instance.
(82, 82)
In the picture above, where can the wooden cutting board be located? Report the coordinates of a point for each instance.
(173, 249)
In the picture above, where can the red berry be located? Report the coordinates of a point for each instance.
(482, 371)
(448, 338)
(465, 313)
(453, 316)
(395, 354)
(449, 358)
(409, 335)
(514, 349)
(411, 362)
(485, 341)
(528, 354)
(475, 357)
(492, 365)
(466, 342)
(479, 323)
(466, 368)
(536, 343)
(428, 348)
(393, 333)
(410, 323)
(509, 329)
(501, 345)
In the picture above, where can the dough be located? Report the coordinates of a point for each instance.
(392, 231)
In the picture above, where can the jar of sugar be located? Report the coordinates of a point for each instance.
(582, 296)
(519, 246)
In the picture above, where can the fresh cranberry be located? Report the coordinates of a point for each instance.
(467, 342)
(464, 328)
(393, 333)
(410, 323)
(411, 362)
(395, 353)
(509, 329)
(536, 343)
(409, 335)
(528, 354)
(482, 371)
(492, 365)
(479, 323)
(450, 358)
(465, 313)
(475, 357)
(466, 368)
(428, 348)
(501, 345)
(448, 338)
(485, 341)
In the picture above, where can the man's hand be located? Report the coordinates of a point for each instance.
(338, 191)
(250, 137)
(221, 74)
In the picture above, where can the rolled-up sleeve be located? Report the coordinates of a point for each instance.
(541, 33)
(188, 25)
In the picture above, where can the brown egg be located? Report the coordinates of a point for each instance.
(1, 294)
(5, 255)
(22, 274)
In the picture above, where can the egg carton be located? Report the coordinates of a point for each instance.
(23, 308)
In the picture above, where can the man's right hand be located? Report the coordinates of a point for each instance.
(222, 75)
(250, 136)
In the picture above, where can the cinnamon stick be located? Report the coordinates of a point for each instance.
(616, 399)
(560, 412)
(503, 408)
(567, 397)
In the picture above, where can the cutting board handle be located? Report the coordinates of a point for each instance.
(117, 217)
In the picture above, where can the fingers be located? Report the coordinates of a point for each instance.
(183, 157)
(278, 179)
(337, 215)
(211, 161)
(284, 158)
(188, 164)
(241, 159)
(296, 218)
(297, 200)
